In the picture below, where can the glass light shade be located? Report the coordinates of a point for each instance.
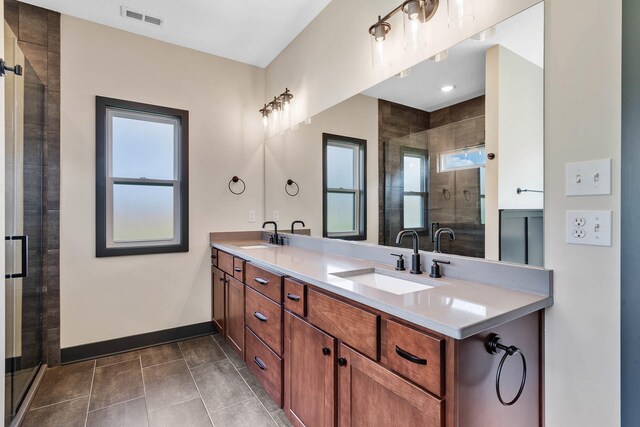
(460, 13)
(413, 17)
(378, 56)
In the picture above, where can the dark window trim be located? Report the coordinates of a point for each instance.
(362, 232)
(425, 175)
(102, 104)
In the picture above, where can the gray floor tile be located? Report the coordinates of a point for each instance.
(258, 390)
(68, 414)
(280, 419)
(116, 383)
(220, 385)
(201, 351)
(237, 362)
(191, 413)
(160, 354)
(118, 358)
(64, 383)
(168, 384)
(246, 414)
(127, 414)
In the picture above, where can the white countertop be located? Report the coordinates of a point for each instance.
(455, 308)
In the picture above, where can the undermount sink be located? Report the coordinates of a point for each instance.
(388, 281)
(255, 247)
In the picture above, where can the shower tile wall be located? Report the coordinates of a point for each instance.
(454, 197)
(38, 32)
(394, 121)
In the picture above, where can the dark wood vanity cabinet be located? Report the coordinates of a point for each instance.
(234, 315)
(373, 396)
(310, 368)
(331, 361)
(218, 284)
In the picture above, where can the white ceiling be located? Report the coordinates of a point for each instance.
(249, 31)
(465, 66)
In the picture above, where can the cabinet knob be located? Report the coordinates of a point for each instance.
(326, 351)
(342, 361)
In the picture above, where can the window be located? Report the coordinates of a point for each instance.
(464, 158)
(142, 172)
(414, 169)
(344, 187)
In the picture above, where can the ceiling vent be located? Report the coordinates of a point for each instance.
(139, 16)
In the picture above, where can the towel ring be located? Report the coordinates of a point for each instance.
(446, 194)
(467, 195)
(234, 180)
(291, 183)
(493, 346)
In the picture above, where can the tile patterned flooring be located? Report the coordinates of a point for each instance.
(193, 383)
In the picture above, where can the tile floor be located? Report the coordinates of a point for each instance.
(193, 383)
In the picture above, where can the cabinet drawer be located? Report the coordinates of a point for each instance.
(265, 365)
(265, 282)
(264, 317)
(238, 269)
(416, 356)
(214, 257)
(353, 325)
(225, 262)
(295, 297)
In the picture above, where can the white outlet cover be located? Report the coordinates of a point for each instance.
(592, 178)
(596, 230)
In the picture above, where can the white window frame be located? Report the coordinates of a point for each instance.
(443, 154)
(423, 185)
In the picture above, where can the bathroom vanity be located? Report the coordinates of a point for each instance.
(337, 337)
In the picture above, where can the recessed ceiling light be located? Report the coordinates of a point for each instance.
(440, 56)
(485, 35)
(404, 73)
(447, 88)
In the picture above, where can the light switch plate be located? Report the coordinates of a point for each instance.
(589, 228)
(592, 178)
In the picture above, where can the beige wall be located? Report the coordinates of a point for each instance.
(105, 298)
(297, 154)
(582, 121)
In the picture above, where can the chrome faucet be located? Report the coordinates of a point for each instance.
(415, 257)
(275, 239)
(438, 236)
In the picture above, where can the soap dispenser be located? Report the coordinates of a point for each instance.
(399, 262)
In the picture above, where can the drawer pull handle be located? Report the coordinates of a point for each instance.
(293, 297)
(260, 363)
(326, 351)
(261, 317)
(214, 256)
(342, 361)
(221, 279)
(410, 357)
(261, 281)
(238, 269)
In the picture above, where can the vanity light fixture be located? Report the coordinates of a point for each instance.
(270, 112)
(415, 12)
(447, 88)
(460, 13)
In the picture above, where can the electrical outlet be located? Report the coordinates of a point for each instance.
(276, 216)
(591, 178)
(252, 216)
(589, 228)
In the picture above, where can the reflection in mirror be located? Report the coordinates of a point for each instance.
(446, 146)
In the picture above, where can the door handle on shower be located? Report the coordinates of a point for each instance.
(25, 257)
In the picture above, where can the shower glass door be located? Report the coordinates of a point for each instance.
(24, 136)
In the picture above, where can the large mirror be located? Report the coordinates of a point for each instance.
(455, 143)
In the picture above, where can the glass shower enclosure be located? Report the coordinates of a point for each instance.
(24, 143)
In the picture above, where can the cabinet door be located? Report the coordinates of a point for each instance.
(309, 374)
(217, 297)
(370, 395)
(234, 320)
